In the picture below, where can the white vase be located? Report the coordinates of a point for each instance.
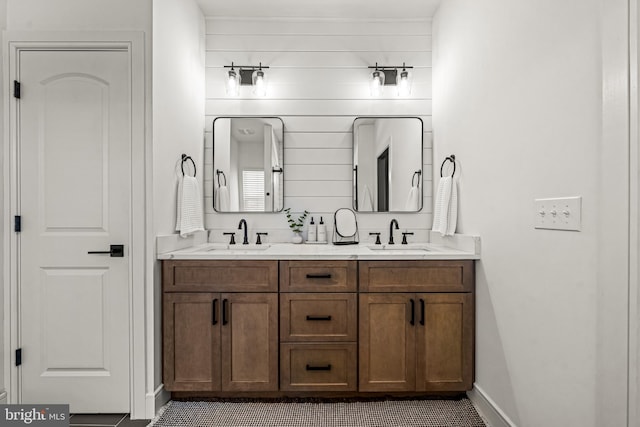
(297, 238)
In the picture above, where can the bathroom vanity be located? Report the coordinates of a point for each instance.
(290, 320)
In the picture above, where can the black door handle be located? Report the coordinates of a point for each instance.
(413, 312)
(225, 303)
(319, 368)
(214, 314)
(116, 251)
(421, 311)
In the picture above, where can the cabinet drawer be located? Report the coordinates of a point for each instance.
(318, 317)
(220, 276)
(309, 367)
(417, 276)
(318, 276)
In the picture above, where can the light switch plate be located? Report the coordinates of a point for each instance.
(558, 214)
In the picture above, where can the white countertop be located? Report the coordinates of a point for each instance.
(304, 251)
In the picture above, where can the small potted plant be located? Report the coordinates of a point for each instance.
(296, 224)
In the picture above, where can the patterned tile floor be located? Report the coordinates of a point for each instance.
(405, 413)
(105, 420)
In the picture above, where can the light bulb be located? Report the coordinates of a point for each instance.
(403, 83)
(233, 82)
(259, 83)
(377, 83)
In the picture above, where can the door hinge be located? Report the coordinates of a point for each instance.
(17, 223)
(19, 357)
(16, 89)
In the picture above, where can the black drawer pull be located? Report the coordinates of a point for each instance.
(319, 368)
(318, 317)
(318, 276)
(421, 311)
(214, 314)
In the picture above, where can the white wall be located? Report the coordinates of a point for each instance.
(518, 100)
(318, 84)
(178, 125)
(95, 15)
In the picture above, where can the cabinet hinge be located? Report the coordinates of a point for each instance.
(19, 357)
(17, 223)
(16, 89)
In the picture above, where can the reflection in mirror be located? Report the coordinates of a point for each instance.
(248, 170)
(387, 164)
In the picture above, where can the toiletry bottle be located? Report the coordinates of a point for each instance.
(322, 231)
(312, 234)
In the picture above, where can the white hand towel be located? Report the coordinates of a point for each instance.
(189, 206)
(443, 201)
(223, 198)
(413, 199)
(452, 214)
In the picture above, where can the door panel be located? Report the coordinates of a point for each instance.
(191, 341)
(74, 144)
(445, 343)
(250, 342)
(387, 343)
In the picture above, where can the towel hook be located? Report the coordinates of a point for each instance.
(419, 173)
(218, 173)
(452, 159)
(184, 159)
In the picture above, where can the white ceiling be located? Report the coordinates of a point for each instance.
(344, 9)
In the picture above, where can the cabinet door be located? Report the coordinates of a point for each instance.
(250, 342)
(191, 342)
(387, 343)
(444, 340)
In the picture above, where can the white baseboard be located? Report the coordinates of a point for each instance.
(156, 400)
(488, 409)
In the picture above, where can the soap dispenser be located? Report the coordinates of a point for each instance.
(312, 234)
(322, 231)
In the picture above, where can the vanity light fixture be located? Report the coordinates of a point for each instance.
(388, 75)
(246, 75)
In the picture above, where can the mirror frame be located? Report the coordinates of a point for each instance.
(354, 175)
(213, 162)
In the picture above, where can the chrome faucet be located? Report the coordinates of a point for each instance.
(243, 221)
(393, 221)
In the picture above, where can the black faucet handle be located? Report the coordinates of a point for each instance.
(404, 236)
(258, 241)
(233, 237)
(378, 242)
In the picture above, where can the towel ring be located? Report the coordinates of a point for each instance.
(452, 159)
(218, 173)
(419, 173)
(184, 159)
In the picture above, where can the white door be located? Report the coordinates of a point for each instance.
(74, 141)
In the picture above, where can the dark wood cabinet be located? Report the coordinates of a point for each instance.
(220, 341)
(416, 341)
(324, 327)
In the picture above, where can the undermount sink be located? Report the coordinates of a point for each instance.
(249, 247)
(222, 247)
(400, 247)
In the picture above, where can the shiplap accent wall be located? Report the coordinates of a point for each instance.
(318, 84)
